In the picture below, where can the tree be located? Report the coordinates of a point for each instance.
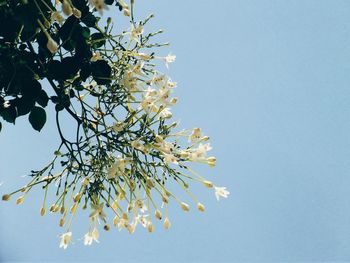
(124, 146)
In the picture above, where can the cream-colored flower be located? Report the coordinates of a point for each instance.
(136, 32)
(99, 5)
(221, 192)
(97, 212)
(169, 59)
(117, 168)
(140, 204)
(169, 158)
(195, 135)
(91, 236)
(65, 239)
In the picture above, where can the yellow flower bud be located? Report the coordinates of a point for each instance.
(77, 197)
(42, 211)
(211, 161)
(52, 45)
(74, 208)
(62, 222)
(86, 181)
(76, 13)
(66, 8)
(200, 207)
(150, 227)
(165, 199)
(106, 227)
(185, 207)
(20, 200)
(208, 184)
(6, 197)
(125, 216)
(158, 214)
(167, 223)
(62, 210)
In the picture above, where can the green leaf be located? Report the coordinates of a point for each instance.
(42, 99)
(101, 72)
(37, 118)
(98, 40)
(9, 114)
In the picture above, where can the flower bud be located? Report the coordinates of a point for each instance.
(86, 181)
(42, 211)
(52, 45)
(62, 222)
(20, 200)
(211, 161)
(6, 197)
(167, 223)
(66, 8)
(77, 197)
(150, 227)
(125, 216)
(62, 210)
(106, 227)
(185, 207)
(74, 208)
(76, 13)
(208, 184)
(165, 199)
(158, 214)
(200, 207)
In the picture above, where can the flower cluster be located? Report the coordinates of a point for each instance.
(126, 154)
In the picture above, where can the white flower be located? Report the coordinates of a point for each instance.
(166, 113)
(169, 59)
(96, 56)
(195, 135)
(221, 192)
(140, 204)
(99, 5)
(118, 126)
(136, 32)
(199, 154)
(169, 158)
(142, 220)
(91, 236)
(65, 239)
(97, 212)
(117, 168)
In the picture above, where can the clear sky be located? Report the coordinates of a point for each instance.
(269, 82)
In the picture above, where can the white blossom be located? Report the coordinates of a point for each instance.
(65, 239)
(221, 192)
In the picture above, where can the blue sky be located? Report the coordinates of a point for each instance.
(269, 82)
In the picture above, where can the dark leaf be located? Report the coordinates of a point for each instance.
(9, 114)
(98, 40)
(24, 105)
(101, 72)
(42, 99)
(37, 118)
